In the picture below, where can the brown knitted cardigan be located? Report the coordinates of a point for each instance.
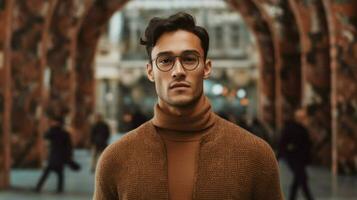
(232, 164)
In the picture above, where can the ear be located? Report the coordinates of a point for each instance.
(207, 69)
(149, 72)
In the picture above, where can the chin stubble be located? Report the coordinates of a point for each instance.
(191, 103)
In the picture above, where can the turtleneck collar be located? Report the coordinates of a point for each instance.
(199, 117)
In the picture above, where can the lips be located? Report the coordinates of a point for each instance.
(179, 84)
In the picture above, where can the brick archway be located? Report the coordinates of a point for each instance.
(262, 32)
(278, 41)
(100, 13)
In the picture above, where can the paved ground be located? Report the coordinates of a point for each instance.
(79, 185)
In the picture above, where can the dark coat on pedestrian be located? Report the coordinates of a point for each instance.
(60, 151)
(295, 145)
(100, 134)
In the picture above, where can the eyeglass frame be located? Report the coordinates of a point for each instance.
(178, 56)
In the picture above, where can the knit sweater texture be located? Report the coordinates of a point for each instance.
(231, 164)
(181, 132)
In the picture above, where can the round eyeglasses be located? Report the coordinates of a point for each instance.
(189, 61)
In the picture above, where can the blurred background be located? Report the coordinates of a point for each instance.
(78, 58)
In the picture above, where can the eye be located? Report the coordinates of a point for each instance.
(164, 60)
(189, 59)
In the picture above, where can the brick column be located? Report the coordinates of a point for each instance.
(61, 59)
(5, 88)
(315, 58)
(287, 53)
(342, 22)
(94, 22)
(30, 22)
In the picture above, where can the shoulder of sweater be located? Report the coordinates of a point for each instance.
(131, 137)
(260, 154)
(243, 138)
(111, 160)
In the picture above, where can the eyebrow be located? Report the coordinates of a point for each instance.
(171, 53)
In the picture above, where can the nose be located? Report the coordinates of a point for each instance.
(178, 71)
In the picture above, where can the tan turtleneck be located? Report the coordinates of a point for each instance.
(181, 134)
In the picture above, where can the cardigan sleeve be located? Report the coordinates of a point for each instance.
(267, 181)
(105, 185)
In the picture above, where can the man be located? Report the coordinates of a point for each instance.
(99, 136)
(186, 151)
(295, 147)
(60, 152)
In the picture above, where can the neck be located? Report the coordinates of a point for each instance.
(181, 110)
(194, 117)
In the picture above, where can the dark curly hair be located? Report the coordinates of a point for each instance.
(179, 21)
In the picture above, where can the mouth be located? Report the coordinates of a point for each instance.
(179, 85)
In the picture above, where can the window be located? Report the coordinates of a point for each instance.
(235, 35)
(219, 36)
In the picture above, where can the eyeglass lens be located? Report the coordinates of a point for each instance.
(189, 61)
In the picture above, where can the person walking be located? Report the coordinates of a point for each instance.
(295, 147)
(99, 136)
(60, 153)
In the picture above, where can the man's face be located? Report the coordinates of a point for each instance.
(178, 87)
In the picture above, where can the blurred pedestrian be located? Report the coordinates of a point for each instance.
(60, 153)
(294, 147)
(257, 128)
(241, 121)
(138, 118)
(99, 136)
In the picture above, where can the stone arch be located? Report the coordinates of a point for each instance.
(100, 13)
(286, 39)
(262, 32)
(316, 86)
(283, 36)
